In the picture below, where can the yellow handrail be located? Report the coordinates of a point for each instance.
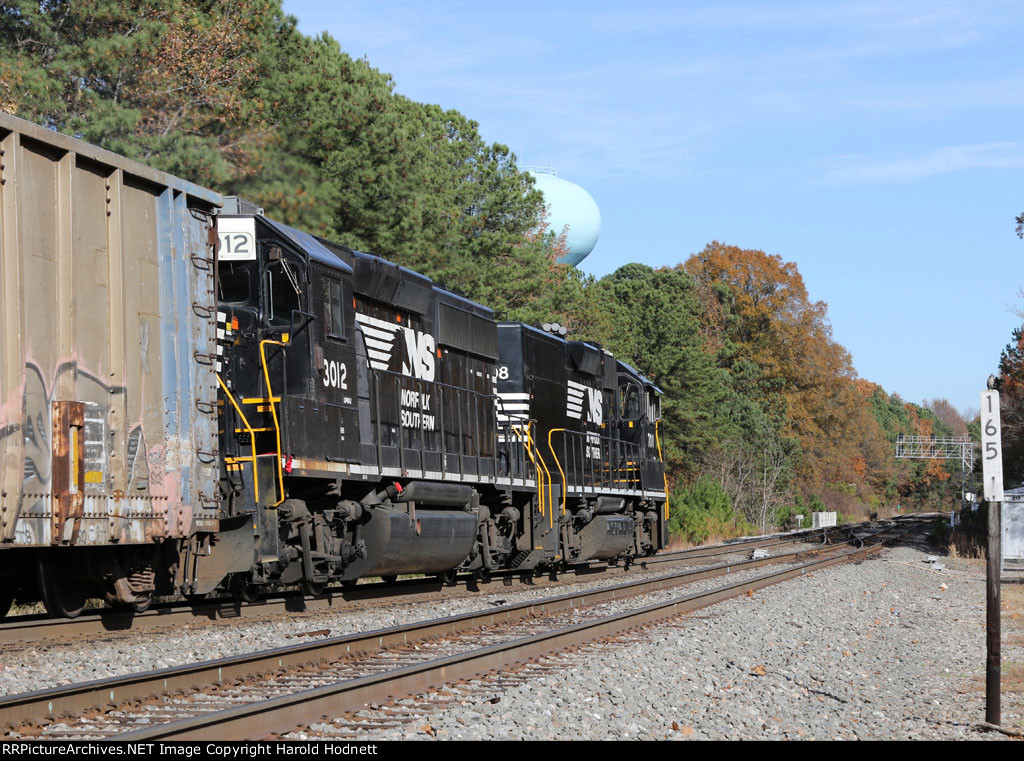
(551, 510)
(529, 453)
(565, 493)
(252, 435)
(535, 457)
(664, 474)
(273, 412)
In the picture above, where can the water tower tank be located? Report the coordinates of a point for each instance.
(569, 204)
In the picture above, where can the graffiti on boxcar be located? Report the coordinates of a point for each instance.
(37, 428)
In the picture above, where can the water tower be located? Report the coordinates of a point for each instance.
(569, 205)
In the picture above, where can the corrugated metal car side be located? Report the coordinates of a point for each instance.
(107, 386)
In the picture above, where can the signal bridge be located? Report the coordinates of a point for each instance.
(933, 448)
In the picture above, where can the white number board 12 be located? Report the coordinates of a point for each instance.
(237, 239)
(991, 446)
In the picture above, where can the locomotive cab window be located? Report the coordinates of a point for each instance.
(654, 405)
(629, 401)
(334, 318)
(283, 292)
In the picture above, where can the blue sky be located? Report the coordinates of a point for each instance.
(875, 144)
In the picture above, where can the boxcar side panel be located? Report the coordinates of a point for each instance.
(107, 382)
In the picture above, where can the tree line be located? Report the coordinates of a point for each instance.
(765, 416)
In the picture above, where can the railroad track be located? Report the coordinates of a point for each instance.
(35, 628)
(276, 691)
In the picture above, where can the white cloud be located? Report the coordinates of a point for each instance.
(946, 160)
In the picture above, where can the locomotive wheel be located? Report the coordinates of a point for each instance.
(63, 594)
(140, 606)
(391, 578)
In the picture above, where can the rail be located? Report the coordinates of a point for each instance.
(35, 627)
(287, 711)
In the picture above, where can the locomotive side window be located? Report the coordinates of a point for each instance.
(654, 404)
(629, 401)
(334, 322)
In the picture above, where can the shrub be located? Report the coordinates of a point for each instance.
(702, 511)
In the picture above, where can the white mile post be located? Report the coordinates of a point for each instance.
(992, 472)
(991, 446)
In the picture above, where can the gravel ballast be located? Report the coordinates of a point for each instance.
(36, 666)
(885, 649)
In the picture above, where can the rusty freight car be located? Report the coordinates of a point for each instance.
(108, 394)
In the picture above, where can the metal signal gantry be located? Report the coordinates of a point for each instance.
(933, 448)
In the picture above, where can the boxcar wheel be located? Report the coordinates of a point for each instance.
(243, 590)
(313, 588)
(63, 594)
(6, 600)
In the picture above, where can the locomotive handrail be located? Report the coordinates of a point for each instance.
(514, 418)
(458, 395)
(273, 413)
(620, 471)
(526, 448)
(565, 493)
(528, 444)
(252, 434)
(661, 457)
(551, 501)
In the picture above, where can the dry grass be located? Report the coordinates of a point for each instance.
(963, 544)
(677, 543)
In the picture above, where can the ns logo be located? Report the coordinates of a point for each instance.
(595, 414)
(419, 354)
(579, 398)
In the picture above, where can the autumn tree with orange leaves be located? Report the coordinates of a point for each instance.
(788, 336)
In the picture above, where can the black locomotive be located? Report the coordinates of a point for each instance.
(375, 424)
